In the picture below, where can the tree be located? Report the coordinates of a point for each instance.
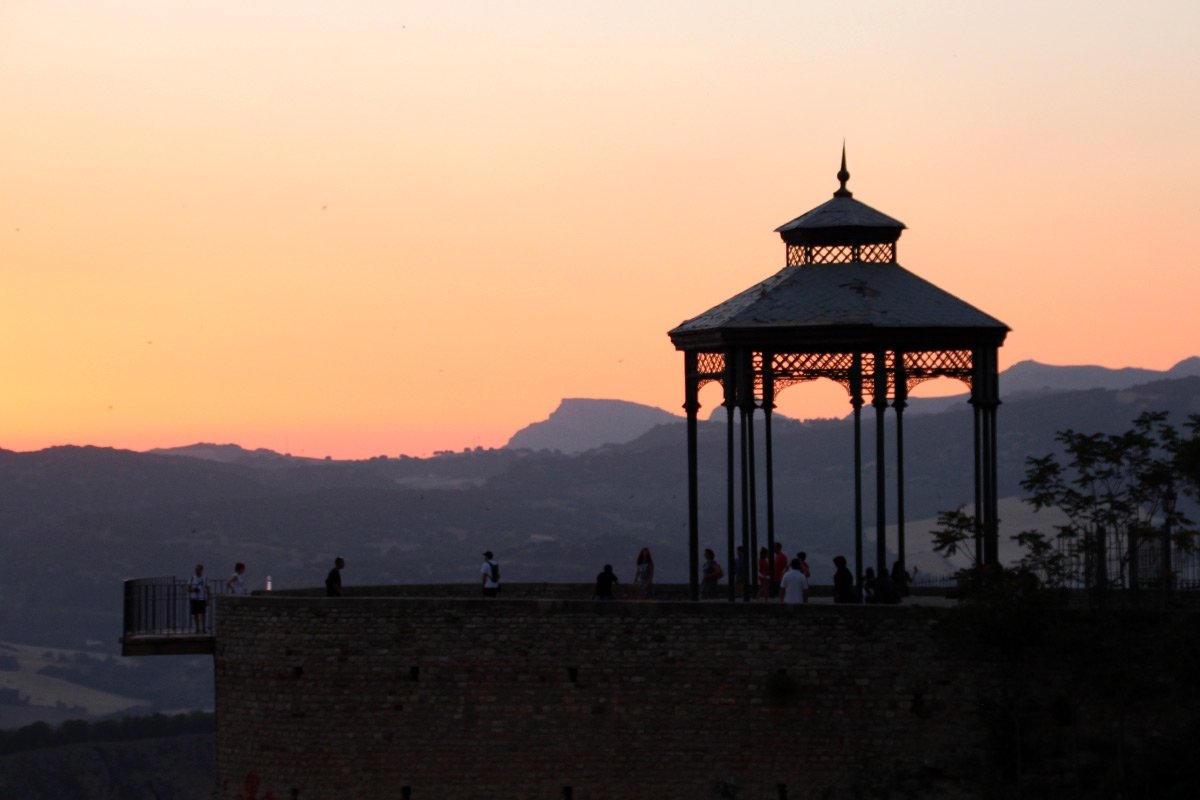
(1187, 457)
(1111, 490)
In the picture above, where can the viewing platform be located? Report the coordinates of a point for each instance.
(157, 619)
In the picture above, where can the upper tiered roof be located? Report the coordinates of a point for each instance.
(842, 288)
(842, 220)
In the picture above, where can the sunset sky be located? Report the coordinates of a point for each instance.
(367, 228)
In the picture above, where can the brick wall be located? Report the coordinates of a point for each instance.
(519, 698)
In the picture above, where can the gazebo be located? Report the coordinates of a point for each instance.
(842, 308)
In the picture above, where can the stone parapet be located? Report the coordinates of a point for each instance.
(514, 698)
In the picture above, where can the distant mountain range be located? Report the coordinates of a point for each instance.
(578, 425)
(233, 454)
(75, 521)
(1031, 378)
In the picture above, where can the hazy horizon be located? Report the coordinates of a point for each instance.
(947, 388)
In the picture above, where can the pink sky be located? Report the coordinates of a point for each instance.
(377, 228)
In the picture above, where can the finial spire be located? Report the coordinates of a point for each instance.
(843, 176)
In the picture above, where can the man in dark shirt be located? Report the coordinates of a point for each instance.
(333, 581)
(604, 584)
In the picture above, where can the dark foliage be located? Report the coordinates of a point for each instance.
(153, 726)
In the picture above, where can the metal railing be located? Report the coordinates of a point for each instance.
(1112, 561)
(162, 607)
(930, 581)
(1126, 560)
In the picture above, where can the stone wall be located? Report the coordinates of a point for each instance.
(520, 698)
(541, 591)
(508, 698)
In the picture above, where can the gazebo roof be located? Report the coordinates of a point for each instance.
(858, 301)
(858, 293)
(840, 214)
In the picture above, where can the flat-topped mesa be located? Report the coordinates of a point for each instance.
(841, 230)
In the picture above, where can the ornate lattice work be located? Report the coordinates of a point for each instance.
(798, 254)
(711, 363)
(883, 253)
(927, 365)
(792, 368)
(789, 369)
(710, 369)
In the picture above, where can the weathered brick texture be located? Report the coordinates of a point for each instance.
(519, 698)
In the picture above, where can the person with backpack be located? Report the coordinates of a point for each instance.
(489, 575)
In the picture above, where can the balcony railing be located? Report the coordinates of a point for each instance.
(158, 617)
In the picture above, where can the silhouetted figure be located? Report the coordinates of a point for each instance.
(843, 582)
(740, 572)
(868, 585)
(489, 575)
(604, 584)
(645, 574)
(198, 600)
(764, 573)
(802, 557)
(885, 590)
(333, 581)
(710, 574)
(901, 579)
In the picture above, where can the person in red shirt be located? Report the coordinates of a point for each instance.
(802, 557)
(781, 563)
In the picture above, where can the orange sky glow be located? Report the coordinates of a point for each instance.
(367, 228)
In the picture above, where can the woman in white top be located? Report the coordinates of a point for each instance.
(236, 585)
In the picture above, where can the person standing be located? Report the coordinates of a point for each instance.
(740, 571)
(198, 599)
(843, 582)
(645, 574)
(489, 575)
(802, 557)
(901, 579)
(794, 586)
(764, 573)
(604, 584)
(235, 584)
(710, 574)
(333, 581)
(868, 585)
(779, 566)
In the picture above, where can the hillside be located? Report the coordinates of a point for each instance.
(1030, 378)
(168, 768)
(76, 521)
